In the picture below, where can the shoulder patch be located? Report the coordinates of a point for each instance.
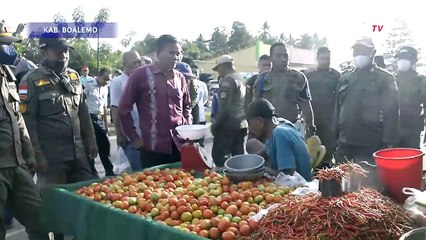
(73, 76)
(42, 82)
(22, 107)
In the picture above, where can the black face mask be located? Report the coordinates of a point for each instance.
(57, 66)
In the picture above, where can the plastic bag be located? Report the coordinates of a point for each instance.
(310, 187)
(263, 212)
(121, 163)
(416, 203)
(290, 181)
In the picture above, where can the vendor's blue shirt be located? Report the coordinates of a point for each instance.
(287, 149)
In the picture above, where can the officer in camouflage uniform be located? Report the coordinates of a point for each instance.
(57, 116)
(286, 88)
(412, 98)
(18, 193)
(366, 114)
(230, 125)
(323, 83)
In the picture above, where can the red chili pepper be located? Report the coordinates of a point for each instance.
(360, 215)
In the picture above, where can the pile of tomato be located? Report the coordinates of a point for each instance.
(210, 206)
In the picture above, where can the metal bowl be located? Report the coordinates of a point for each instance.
(245, 176)
(244, 163)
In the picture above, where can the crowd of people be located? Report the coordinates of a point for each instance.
(53, 122)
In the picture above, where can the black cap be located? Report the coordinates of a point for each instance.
(261, 108)
(407, 53)
(54, 42)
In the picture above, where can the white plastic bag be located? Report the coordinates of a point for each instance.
(416, 204)
(121, 163)
(290, 181)
(310, 187)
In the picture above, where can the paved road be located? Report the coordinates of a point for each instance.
(18, 232)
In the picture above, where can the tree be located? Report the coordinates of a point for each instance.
(78, 18)
(305, 42)
(265, 34)
(190, 49)
(240, 38)
(100, 20)
(146, 46)
(201, 43)
(311, 42)
(82, 55)
(318, 41)
(399, 35)
(127, 40)
(219, 41)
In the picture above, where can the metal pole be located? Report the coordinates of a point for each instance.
(97, 64)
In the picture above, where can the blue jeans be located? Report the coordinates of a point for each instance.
(133, 157)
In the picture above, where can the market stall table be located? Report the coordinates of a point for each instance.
(74, 215)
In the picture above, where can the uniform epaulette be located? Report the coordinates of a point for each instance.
(70, 70)
(384, 72)
(26, 77)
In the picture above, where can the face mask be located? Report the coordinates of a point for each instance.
(57, 66)
(362, 61)
(8, 55)
(404, 65)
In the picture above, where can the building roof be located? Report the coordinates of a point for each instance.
(302, 56)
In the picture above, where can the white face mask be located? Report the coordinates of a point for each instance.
(362, 61)
(403, 65)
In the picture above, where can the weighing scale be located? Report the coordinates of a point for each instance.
(193, 156)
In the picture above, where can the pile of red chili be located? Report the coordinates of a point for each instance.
(366, 214)
(335, 173)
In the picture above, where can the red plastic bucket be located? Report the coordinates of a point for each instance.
(398, 168)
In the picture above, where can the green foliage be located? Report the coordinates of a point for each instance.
(399, 36)
(221, 41)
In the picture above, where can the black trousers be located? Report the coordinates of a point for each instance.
(409, 138)
(227, 142)
(201, 141)
(104, 147)
(151, 158)
(18, 193)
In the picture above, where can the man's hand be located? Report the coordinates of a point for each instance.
(42, 166)
(31, 164)
(136, 144)
(121, 139)
(310, 131)
(93, 152)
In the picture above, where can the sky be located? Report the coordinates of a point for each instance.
(340, 21)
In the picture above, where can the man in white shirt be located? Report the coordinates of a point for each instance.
(96, 91)
(202, 97)
(85, 75)
(131, 61)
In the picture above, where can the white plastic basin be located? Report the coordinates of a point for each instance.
(192, 132)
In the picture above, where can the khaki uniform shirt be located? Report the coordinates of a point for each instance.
(15, 144)
(367, 108)
(412, 99)
(57, 118)
(284, 89)
(231, 113)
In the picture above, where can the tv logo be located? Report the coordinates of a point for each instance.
(377, 28)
